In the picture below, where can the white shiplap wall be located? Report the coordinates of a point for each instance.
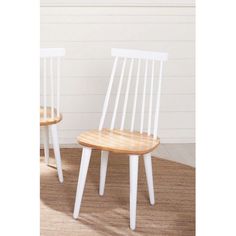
(88, 30)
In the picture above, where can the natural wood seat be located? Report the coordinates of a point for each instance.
(119, 141)
(49, 120)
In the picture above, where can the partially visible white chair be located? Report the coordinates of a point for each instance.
(131, 142)
(50, 101)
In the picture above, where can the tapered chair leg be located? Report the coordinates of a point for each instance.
(133, 165)
(46, 143)
(57, 152)
(149, 175)
(86, 155)
(103, 171)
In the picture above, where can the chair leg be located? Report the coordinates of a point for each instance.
(46, 143)
(149, 176)
(57, 151)
(133, 165)
(86, 155)
(103, 171)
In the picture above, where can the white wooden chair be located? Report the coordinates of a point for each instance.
(121, 140)
(50, 101)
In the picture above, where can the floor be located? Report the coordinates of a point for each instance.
(173, 213)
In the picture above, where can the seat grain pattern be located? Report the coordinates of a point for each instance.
(49, 120)
(119, 141)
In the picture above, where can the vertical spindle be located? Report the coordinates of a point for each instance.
(105, 105)
(118, 95)
(126, 95)
(58, 85)
(135, 96)
(150, 100)
(144, 95)
(44, 88)
(52, 87)
(158, 102)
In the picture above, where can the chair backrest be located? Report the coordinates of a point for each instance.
(50, 80)
(146, 63)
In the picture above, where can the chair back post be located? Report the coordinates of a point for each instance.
(156, 119)
(51, 63)
(105, 105)
(135, 96)
(58, 84)
(136, 57)
(118, 94)
(126, 95)
(144, 96)
(150, 99)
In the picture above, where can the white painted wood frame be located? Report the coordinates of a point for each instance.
(150, 60)
(50, 102)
